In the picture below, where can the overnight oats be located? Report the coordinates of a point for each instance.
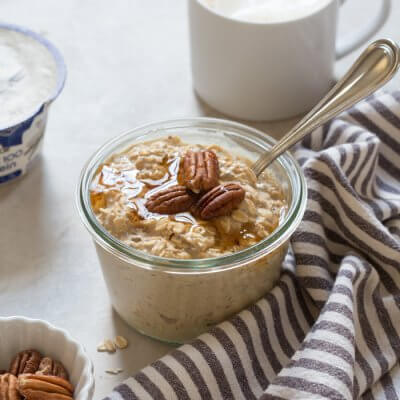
(149, 197)
(186, 234)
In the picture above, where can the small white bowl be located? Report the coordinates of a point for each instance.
(20, 333)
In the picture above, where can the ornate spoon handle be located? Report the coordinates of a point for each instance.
(376, 66)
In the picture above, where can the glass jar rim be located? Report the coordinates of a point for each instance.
(124, 252)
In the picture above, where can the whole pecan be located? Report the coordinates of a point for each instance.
(221, 200)
(200, 170)
(8, 387)
(172, 200)
(44, 387)
(48, 366)
(25, 362)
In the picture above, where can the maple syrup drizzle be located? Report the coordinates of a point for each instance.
(137, 191)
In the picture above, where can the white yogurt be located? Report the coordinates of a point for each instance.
(266, 11)
(32, 75)
(28, 76)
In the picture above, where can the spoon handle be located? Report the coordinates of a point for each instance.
(376, 66)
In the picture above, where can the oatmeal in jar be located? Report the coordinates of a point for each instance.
(184, 201)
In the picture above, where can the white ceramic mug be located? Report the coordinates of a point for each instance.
(269, 71)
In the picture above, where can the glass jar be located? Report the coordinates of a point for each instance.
(174, 300)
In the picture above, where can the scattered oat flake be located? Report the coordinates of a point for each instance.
(115, 371)
(102, 347)
(109, 345)
(121, 342)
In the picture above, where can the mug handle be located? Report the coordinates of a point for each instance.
(350, 42)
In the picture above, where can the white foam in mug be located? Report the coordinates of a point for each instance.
(266, 11)
(269, 59)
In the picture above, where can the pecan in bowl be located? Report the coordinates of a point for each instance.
(221, 200)
(200, 170)
(172, 200)
(48, 366)
(8, 387)
(44, 387)
(25, 362)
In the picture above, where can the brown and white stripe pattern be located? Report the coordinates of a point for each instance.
(330, 329)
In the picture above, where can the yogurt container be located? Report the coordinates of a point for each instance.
(32, 74)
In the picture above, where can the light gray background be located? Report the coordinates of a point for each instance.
(128, 64)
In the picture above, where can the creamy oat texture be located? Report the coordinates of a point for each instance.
(177, 307)
(28, 75)
(122, 185)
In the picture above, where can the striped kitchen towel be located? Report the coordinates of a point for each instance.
(330, 329)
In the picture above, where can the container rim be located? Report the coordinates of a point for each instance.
(148, 261)
(265, 24)
(58, 58)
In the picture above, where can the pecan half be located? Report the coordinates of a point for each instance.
(25, 362)
(221, 200)
(172, 200)
(44, 387)
(200, 170)
(48, 366)
(8, 387)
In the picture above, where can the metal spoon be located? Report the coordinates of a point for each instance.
(376, 66)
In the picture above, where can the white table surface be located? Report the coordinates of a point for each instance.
(128, 64)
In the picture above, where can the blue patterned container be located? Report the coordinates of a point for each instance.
(21, 143)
